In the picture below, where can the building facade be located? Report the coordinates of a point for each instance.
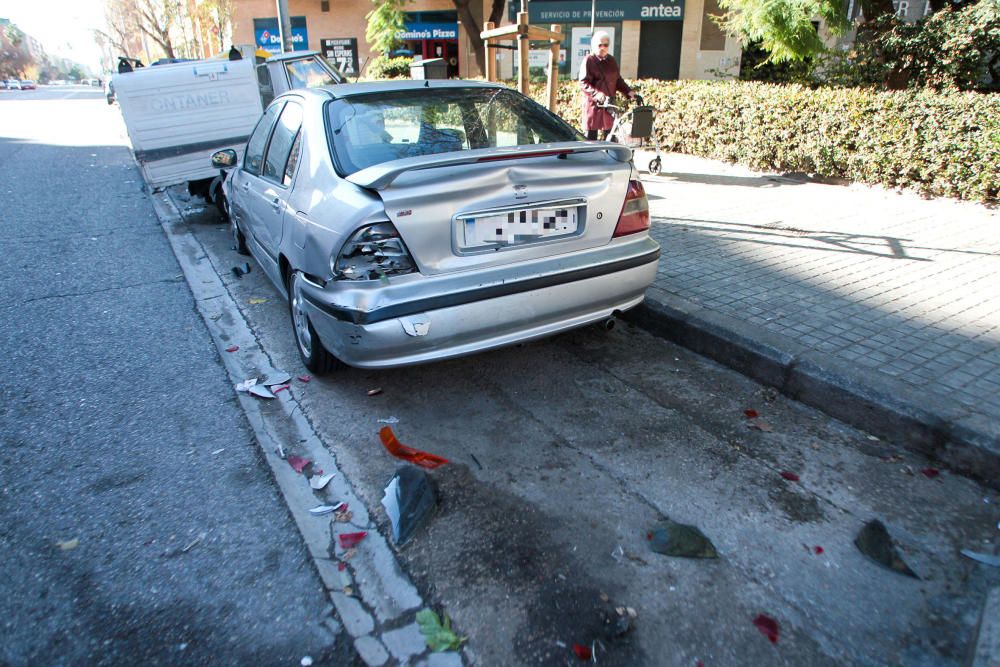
(665, 39)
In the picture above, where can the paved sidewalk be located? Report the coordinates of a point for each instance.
(881, 308)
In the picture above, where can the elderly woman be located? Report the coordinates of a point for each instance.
(600, 81)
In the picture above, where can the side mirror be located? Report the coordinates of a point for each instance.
(224, 158)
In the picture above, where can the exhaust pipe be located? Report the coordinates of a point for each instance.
(608, 324)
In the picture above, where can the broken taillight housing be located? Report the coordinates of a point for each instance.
(634, 217)
(373, 252)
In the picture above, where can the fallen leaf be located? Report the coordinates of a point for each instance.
(414, 456)
(68, 545)
(790, 476)
(305, 378)
(232, 348)
(768, 627)
(298, 463)
(351, 540)
(930, 473)
(751, 413)
(375, 392)
(583, 652)
(439, 636)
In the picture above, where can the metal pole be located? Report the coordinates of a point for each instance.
(593, 17)
(285, 26)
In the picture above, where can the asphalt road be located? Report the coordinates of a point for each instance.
(564, 453)
(137, 522)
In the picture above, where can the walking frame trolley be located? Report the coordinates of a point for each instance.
(634, 127)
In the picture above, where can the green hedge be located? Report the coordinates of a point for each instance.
(937, 143)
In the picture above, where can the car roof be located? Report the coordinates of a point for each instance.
(351, 89)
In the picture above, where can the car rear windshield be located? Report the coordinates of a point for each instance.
(374, 128)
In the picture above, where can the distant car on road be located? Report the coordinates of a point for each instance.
(28, 84)
(12, 84)
(421, 220)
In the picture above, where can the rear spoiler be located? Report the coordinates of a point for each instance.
(381, 176)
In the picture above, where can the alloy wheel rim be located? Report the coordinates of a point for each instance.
(300, 319)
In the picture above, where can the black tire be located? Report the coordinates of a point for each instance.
(655, 166)
(239, 238)
(315, 357)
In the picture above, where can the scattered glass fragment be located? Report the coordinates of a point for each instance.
(68, 545)
(261, 391)
(375, 392)
(675, 539)
(761, 425)
(246, 384)
(351, 540)
(985, 559)
(298, 463)
(388, 420)
(409, 499)
(401, 451)
(768, 627)
(873, 541)
(325, 509)
(318, 481)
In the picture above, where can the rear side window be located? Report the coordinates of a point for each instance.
(254, 155)
(285, 131)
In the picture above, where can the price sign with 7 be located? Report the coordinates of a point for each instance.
(342, 52)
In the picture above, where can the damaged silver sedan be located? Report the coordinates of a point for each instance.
(415, 221)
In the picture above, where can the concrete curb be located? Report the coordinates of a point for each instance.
(943, 430)
(986, 644)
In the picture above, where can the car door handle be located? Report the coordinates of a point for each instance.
(276, 205)
(246, 186)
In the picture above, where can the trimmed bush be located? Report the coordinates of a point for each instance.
(389, 68)
(939, 143)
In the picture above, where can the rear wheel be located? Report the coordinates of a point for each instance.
(315, 357)
(655, 166)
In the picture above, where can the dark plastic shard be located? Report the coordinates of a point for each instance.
(874, 541)
(409, 500)
(676, 539)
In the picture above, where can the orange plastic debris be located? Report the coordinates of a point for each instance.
(401, 451)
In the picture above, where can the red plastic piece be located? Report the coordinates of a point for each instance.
(768, 627)
(931, 473)
(232, 348)
(298, 463)
(279, 388)
(790, 476)
(582, 652)
(341, 566)
(401, 451)
(818, 550)
(751, 413)
(350, 540)
(305, 378)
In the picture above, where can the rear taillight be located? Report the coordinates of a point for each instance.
(635, 213)
(372, 253)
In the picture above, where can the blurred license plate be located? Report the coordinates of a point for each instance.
(518, 227)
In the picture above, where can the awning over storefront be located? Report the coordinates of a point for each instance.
(578, 11)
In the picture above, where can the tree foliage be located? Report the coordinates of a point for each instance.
(14, 55)
(783, 28)
(385, 22)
